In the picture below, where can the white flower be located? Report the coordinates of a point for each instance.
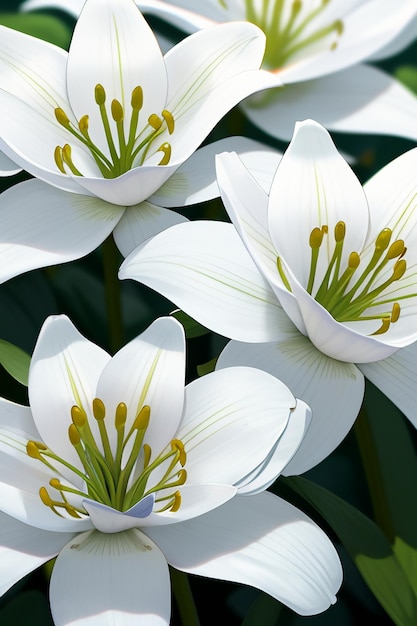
(118, 469)
(107, 127)
(323, 274)
(317, 49)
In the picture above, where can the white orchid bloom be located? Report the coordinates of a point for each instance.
(317, 49)
(320, 286)
(118, 469)
(107, 126)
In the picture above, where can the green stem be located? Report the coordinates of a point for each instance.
(111, 263)
(372, 468)
(184, 598)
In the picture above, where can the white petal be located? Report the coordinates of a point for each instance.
(43, 226)
(313, 187)
(7, 166)
(232, 419)
(116, 579)
(261, 541)
(209, 73)
(195, 180)
(195, 500)
(142, 221)
(363, 35)
(130, 188)
(396, 377)
(113, 45)
(361, 99)
(334, 391)
(204, 268)
(183, 14)
(149, 370)
(352, 341)
(24, 548)
(64, 372)
(281, 454)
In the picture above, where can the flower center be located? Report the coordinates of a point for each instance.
(126, 150)
(349, 294)
(120, 479)
(291, 28)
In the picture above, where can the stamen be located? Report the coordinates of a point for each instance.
(348, 302)
(166, 149)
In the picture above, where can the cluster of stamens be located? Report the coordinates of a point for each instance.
(126, 149)
(285, 38)
(349, 294)
(118, 479)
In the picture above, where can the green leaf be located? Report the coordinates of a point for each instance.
(39, 25)
(265, 610)
(407, 75)
(15, 361)
(391, 466)
(192, 328)
(368, 547)
(207, 368)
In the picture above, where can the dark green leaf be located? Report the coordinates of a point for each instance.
(41, 26)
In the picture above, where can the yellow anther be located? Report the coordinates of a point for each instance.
(396, 249)
(338, 26)
(137, 98)
(169, 119)
(296, 7)
(44, 496)
(54, 482)
(99, 94)
(32, 450)
(182, 476)
(62, 117)
(177, 502)
(386, 322)
(383, 239)
(147, 452)
(354, 260)
(117, 111)
(395, 313)
(83, 124)
(74, 435)
(399, 269)
(99, 410)
(339, 231)
(121, 414)
(142, 418)
(166, 149)
(58, 159)
(78, 416)
(155, 121)
(316, 237)
(178, 446)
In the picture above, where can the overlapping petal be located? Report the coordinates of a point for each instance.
(24, 548)
(133, 587)
(204, 268)
(153, 367)
(299, 565)
(68, 366)
(232, 419)
(333, 389)
(359, 99)
(58, 226)
(7, 166)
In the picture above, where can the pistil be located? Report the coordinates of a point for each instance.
(126, 150)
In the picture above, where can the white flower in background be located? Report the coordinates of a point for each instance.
(118, 469)
(107, 126)
(317, 49)
(320, 285)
